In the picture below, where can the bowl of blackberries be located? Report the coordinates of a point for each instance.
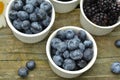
(99, 17)
(71, 51)
(30, 20)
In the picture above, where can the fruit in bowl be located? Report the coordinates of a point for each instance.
(71, 51)
(30, 20)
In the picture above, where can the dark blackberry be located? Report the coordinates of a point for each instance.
(104, 5)
(90, 10)
(100, 19)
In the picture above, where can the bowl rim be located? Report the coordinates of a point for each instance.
(104, 27)
(23, 34)
(62, 2)
(90, 64)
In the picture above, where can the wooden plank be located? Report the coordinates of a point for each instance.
(14, 54)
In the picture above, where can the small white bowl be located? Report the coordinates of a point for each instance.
(93, 28)
(64, 73)
(64, 7)
(29, 38)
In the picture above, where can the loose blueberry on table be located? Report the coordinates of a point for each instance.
(102, 12)
(71, 50)
(30, 16)
(115, 67)
(23, 72)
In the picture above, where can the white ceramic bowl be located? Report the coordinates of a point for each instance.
(64, 73)
(93, 28)
(64, 7)
(29, 38)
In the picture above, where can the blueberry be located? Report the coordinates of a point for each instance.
(40, 1)
(13, 14)
(25, 25)
(23, 15)
(41, 13)
(46, 22)
(117, 43)
(81, 47)
(82, 63)
(28, 31)
(46, 6)
(76, 37)
(76, 54)
(69, 34)
(88, 54)
(23, 72)
(66, 54)
(69, 64)
(29, 8)
(58, 60)
(33, 2)
(58, 53)
(115, 67)
(62, 46)
(82, 35)
(55, 42)
(88, 43)
(61, 34)
(18, 4)
(36, 27)
(33, 17)
(17, 24)
(73, 44)
(31, 64)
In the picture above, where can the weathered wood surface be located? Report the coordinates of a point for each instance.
(14, 54)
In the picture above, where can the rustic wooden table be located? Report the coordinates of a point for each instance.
(14, 54)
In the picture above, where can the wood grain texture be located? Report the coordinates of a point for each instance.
(14, 54)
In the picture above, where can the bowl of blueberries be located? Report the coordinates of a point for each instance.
(71, 51)
(30, 20)
(99, 17)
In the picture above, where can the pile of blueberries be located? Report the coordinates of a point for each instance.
(30, 16)
(23, 71)
(71, 50)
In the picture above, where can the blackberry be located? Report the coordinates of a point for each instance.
(100, 19)
(104, 5)
(90, 10)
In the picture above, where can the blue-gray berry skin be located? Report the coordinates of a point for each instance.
(88, 54)
(77, 38)
(115, 67)
(55, 42)
(73, 44)
(41, 14)
(46, 22)
(46, 6)
(69, 64)
(61, 34)
(36, 27)
(25, 25)
(31, 64)
(40, 1)
(17, 24)
(69, 34)
(33, 17)
(29, 8)
(117, 43)
(81, 47)
(82, 64)
(28, 31)
(13, 14)
(58, 53)
(88, 43)
(82, 35)
(22, 15)
(58, 60)
(76, 54)
(66, 54)
(18, 4)
(62, 46)
(23, 72)
(33, 2)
